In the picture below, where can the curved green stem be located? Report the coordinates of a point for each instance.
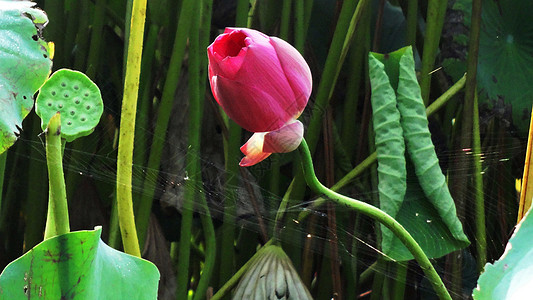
(127, 130)
(376, 214)
(58, 194)
(434, 107)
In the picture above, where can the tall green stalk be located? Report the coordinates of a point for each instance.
(192, 159)
(357, 59)
(299, 26)
(127, 130)
(144, 206)
(434, 22)
(285, 19)
(349, 17)
(96, 38)
(227, 251)
(471, 102)
(412, 22)
(56, 178)
(376, 214)
(399, 281)
(481, 235)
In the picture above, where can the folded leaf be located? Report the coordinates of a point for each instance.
(425, 208)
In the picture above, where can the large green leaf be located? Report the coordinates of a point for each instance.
(78, 265)
(505, 68)
(511, 277)
(427, 211)
(25, 65)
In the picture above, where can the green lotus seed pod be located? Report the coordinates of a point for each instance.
(76, 98)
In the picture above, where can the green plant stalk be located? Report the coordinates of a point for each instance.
(127, 131)
(58, 196)
(434, 21)
(205, 214)
(227, 252)
(398, 289)
(379, 282)
(371, 159)
(50, 226)
(285, 19)
(55, 9)
(376, 214)
(471, 101)
(234, 280)
(349, 17)
(143, 109)
(481, 235)
(308, 9)
(82, 37)
(193, 151)
(299, 23)
(96, 38)
(356, 64)
(241, 17)
(210, 248)
(367, 273)
(114, 240)
(144, 205)
(127, 28)
(412, 22)
(72, 21)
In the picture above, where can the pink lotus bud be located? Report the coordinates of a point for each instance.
(263, 84)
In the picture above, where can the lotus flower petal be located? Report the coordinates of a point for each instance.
(285, 139)
(295, 69)
(262, 144)
(252, 107)
(253, 150)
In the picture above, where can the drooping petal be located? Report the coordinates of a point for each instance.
(253, 108)
(295, 69)
(285, 139)
(253, 150)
